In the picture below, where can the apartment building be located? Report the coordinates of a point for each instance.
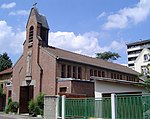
(134, 49)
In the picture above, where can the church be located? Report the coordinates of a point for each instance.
(52, 71)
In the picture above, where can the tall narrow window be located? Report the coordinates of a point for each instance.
(95, 72)
(91, 72)
(31, 34)
(103, 74)
(63, 71)
(79, 73)
(99, 73)
(74, 72)
(68, 71)
(120, 77)
(112, 75)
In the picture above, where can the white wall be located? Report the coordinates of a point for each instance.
(140, 61)
(111, 87)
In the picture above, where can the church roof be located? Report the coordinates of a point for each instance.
(40, 18)
(74, 57)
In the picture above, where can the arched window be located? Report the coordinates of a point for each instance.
(31, 31)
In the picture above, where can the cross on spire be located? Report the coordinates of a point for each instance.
(34, 5)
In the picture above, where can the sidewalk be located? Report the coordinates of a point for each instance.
(16, 116)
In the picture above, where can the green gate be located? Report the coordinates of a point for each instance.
(133, 106)
(87, 108)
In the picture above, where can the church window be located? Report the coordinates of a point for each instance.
(112, 76)
(68, 71)
(91, 72)
(74, 72)
(79, 72)
(31, 31)
(103, 74)
(95, 72)
(63, 71)
(120, 77)
(99, 73)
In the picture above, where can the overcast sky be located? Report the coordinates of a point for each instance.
(81, 26)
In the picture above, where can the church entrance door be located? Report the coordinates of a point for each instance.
(26, 94)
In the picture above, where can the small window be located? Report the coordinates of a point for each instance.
(144, 70)
(146, 57)
(63, 89)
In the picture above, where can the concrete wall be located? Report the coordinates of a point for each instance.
(102, 87)
(50, 107)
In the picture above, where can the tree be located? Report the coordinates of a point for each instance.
(108, 56)
(5, 61)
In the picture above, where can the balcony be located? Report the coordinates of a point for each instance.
(130, 62)
(133, 55)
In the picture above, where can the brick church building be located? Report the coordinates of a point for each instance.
(52, 71)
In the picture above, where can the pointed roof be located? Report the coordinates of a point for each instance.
(139, 56)
(74, 57)
(40, 18)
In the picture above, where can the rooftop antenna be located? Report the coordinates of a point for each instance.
(34, 5)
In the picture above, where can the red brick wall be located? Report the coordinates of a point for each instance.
(83, 87)
(48, 64)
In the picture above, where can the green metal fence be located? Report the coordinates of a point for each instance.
(133, 106)
(126, 106)
(87, 108)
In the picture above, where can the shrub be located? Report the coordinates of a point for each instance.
(12, 107)
(36, 106)
(9, 100)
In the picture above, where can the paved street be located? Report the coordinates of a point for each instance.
(13, 116)
(2, 117)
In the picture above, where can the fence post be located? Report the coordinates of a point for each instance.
(63, 107)
(113, 112)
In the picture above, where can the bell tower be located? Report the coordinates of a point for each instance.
(37, 28)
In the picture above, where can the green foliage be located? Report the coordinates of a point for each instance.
(108, 56)
(9, 100)
(1, 91)
(5, 62)
(34, 109)
(36, 106)
(12, 106)
(147, 84)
